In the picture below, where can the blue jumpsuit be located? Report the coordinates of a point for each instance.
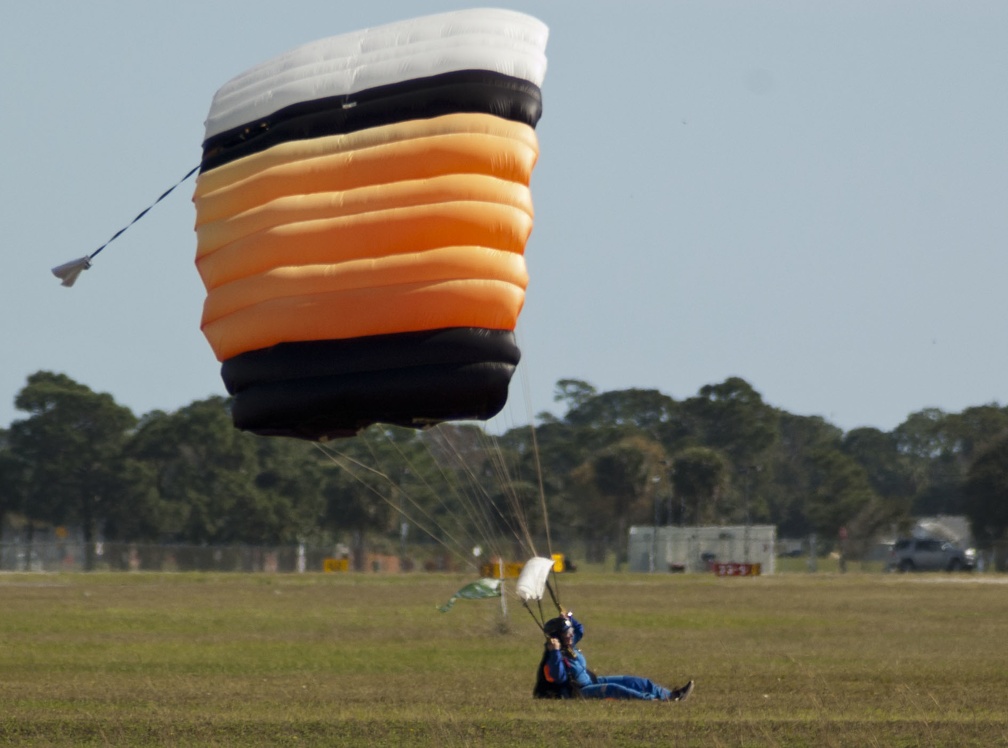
(570, 672)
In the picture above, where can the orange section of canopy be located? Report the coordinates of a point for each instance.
(415, 226)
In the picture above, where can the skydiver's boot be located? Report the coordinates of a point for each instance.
(682, 693)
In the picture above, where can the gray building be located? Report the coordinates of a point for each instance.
(665, 549)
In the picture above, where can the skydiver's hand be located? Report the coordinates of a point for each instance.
(554, 643)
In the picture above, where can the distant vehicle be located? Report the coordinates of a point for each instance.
(790, 548)
(913, 554)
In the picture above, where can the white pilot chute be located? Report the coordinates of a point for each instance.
(534, 576)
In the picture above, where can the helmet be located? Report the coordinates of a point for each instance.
(554, 627)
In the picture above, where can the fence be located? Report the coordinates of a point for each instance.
(47, 552)
(70, 556)
(668, 549)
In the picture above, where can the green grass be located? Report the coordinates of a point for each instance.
(246, 660)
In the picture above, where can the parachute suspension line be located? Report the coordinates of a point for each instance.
(487, 522)
(476, 510)
(539, 477)
(519, 524)
(517, 506)
(143, 212)
(542, 488)
(479, 519)
(538, 463)
(345, 467)
(553, 595)
(460, 547)
(540, 624)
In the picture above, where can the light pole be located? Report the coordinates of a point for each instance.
(748, 470)
(655, 480)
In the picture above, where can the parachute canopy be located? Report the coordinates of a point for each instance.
(362, 212)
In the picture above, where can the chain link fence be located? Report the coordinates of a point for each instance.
(71, 556)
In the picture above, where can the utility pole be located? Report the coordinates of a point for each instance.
(748, 470)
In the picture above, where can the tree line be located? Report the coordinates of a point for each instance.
(612, 460)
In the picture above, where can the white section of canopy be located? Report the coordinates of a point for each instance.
(501, 41)
(532, 581)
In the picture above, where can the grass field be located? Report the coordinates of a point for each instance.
(305, 660)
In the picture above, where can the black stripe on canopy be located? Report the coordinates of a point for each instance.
(470, 91)
(332, 388)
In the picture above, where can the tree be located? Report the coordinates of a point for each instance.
(290, 477)
(941, 447)
(733, 418)
(986, 492)
(791, 469)
(203, 467)
(978, 428)
(216, 484)
(878, 453)
(928, 441)
(890, 475)
(840, 491)
(617, 485)
(12, 480)
(643, 410)
(137, 512)
(701, 477)
(71, 449)
(573, 392)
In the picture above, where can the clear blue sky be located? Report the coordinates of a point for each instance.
(811, 196)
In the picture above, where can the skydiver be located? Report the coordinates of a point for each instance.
(563, 671)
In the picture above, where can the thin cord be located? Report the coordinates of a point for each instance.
(144, 211)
